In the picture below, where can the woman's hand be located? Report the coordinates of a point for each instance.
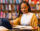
(35, 27)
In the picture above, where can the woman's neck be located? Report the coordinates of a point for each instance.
(25, 12)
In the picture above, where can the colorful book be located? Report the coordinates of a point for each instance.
(10, 1)
(9, 14)
(18, 1)
(15, 7)
(14, 15)
(3, 16)
(14, 1)
(6, 7)
(33, 7)
(2, 7)
(6, 15)
(1, 1)
(6, 1)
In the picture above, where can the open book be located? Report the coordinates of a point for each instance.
(3, 28)
(23, 27)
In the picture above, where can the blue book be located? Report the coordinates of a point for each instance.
(15, 7)
(3, 1)
(6, 7)
(17, 1)
(6, 15)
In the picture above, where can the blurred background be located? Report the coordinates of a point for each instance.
(9, 9)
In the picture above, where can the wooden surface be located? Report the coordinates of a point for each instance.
(3, 28)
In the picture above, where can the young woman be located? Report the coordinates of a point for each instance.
(25, 16)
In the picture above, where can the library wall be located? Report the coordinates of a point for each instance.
(10, 8)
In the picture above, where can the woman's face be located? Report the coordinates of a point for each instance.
(24, 8)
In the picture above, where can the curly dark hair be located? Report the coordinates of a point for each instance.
(29, 9)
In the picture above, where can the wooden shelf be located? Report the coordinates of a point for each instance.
(8, 3)
(35, 11)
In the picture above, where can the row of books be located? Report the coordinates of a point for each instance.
(35, 6)
(10, 1)
(16, 7)
(9, 7)
(8, 15)
(13, 15)
(19, 1)
(38, 15)
(34, 1)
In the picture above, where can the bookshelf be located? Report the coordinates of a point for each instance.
(9, 6)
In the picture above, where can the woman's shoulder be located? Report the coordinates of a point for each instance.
(31, 13)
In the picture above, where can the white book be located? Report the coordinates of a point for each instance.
(29, 1)
(9, 7)
(20, 1)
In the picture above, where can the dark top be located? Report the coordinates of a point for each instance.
(5, 23)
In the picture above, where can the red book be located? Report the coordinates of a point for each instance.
(1, 1)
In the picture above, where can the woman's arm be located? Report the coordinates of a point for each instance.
(35, 22)
(16, 22)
